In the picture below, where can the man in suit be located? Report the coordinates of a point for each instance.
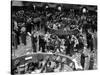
(42, 43)
(34, 41)
(67, 44)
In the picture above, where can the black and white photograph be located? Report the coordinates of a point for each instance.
(49, 37)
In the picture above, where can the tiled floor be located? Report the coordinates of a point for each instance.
(22, 50)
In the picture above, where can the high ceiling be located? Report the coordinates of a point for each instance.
(53, 5)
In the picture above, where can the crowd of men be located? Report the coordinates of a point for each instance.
(66, 32)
